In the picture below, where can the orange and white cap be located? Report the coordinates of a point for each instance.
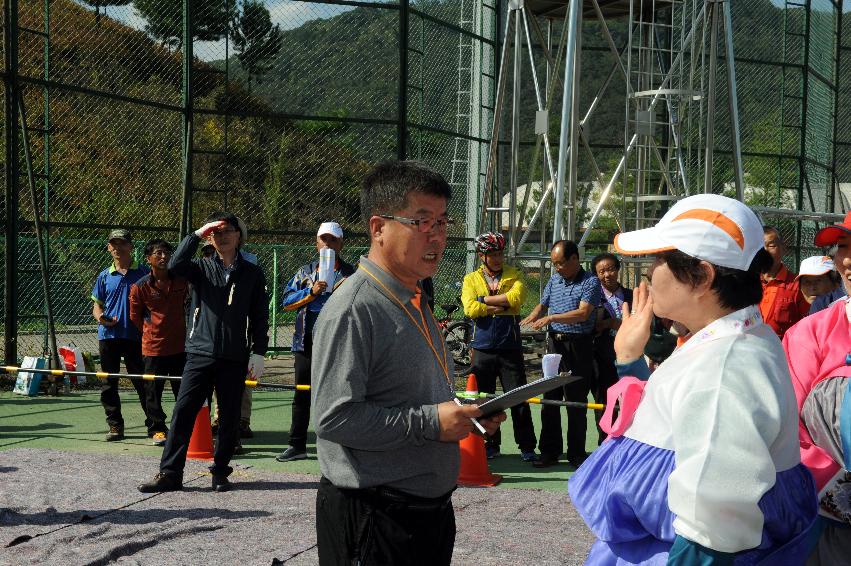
(714, 228)
(816, 265)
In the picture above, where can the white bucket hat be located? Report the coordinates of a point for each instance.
(816, 265)
(713, 228)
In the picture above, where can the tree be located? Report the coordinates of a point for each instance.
(210, 19)
(98, 4)
(255, 39)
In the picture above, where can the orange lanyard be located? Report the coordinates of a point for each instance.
(444, 365)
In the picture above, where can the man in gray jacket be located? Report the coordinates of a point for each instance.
(386, 422)
(227, 339)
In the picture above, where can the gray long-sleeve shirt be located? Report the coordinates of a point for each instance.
(375, 388)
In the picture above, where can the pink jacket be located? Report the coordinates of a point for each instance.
(816, 349)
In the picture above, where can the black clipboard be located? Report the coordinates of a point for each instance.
(519, 395)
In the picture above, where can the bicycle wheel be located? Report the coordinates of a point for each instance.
(458, 336)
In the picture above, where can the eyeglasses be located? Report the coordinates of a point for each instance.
(423, 225)
(163, 253)
(225, 231)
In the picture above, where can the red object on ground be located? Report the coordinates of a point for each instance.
(474, 470)
(472, 384)
(201, 441)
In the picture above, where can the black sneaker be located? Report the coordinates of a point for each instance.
(115, 433)
(162, 482)
(245, 430)
(215, 427)
(545, 461)
(291, 454)
(221, 483)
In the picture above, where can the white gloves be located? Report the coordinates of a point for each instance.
(255, 367)
(205, 230)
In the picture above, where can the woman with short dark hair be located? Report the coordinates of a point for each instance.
(702, 465)
(606, 267)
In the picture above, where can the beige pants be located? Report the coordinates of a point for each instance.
(245, 410)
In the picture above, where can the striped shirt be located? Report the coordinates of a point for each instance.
(562, 295)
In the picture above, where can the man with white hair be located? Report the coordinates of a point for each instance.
(307, 294)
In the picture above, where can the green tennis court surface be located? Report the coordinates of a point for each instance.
(76, 423)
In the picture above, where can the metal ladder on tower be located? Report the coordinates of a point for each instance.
(655, 108)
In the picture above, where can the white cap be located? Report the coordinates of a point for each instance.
(714, 228)
(331, 228)
(816, 265)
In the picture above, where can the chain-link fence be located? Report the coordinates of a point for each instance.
(150, 114)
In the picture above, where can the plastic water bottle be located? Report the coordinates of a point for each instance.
(326, 267)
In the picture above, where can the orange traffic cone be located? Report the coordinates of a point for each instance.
(472, 385)
(474, 470)
(201, 441)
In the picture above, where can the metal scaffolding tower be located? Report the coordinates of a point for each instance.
(669, 68)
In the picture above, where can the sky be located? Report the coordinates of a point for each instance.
(287, 13)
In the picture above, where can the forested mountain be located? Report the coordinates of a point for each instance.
(283, 172)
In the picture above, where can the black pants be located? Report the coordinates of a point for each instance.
(301, 399)
(509, 366)
(362, 527)
(576, 355)
(161, 365)
(111, 352)
(606, 374)
(199, 374)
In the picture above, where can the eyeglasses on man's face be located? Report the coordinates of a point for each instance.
(423, 225)
(225, 231)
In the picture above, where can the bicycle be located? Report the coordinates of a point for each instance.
(458, 334)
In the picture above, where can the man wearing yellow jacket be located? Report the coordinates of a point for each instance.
(492, 296)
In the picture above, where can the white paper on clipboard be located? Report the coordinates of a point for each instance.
(326, 267)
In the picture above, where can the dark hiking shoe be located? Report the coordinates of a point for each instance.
(115, 433)
(221, 483)
(545, 461)
(245, 430)
(291, 454)
(162, 482)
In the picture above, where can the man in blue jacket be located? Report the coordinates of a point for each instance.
(307, 294)
(227, 339)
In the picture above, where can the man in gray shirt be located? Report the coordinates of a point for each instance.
(386, 422)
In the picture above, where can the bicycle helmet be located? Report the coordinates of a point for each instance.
(490, 242)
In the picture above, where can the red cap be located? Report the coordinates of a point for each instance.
(830, 235)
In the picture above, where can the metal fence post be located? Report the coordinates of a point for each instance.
(404, 40)
(188, 56)
(10, 275)
(274, 296)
